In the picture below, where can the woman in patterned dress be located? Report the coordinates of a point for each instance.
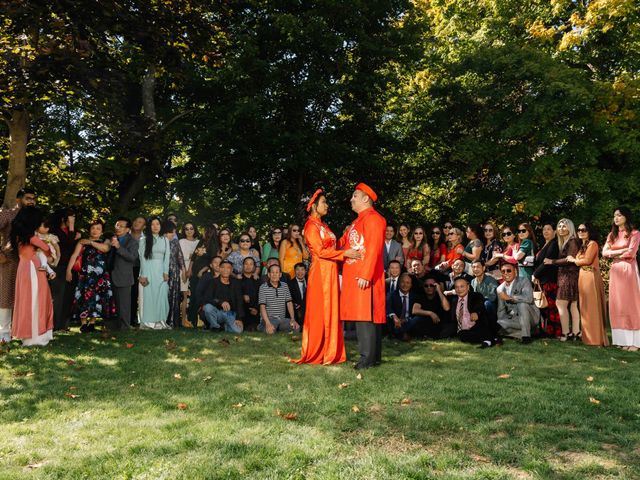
(93, 296)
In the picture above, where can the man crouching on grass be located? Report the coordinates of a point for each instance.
(275, 301)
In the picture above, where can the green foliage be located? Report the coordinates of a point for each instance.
(231, 111)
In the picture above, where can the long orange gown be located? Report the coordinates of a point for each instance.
(33, 309)
(322, 336)
(593, 312)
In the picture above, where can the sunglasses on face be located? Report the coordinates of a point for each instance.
(452, 234)
(448, 226)
(295, 230)
(488, 229)
(582, 230)
(507, 234)
(508, 270)
(522, 230)
(429, 285)
(435, 233)
(277, 231)
(245, 240)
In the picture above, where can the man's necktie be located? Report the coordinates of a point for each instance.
(460, 312)
(404, 307)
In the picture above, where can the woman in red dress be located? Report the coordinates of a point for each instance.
(322, 337)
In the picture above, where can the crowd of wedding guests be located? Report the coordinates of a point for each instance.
(479, 283)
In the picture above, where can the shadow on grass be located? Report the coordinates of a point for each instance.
(550, 409)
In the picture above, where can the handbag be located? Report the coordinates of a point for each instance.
(539, 298)
(77, 265)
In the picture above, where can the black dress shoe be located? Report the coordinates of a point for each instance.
(526, 340)
(84, 328)
(361, 366)
(498, 341)
(485, 344)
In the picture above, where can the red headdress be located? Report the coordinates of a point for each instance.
(313, 198)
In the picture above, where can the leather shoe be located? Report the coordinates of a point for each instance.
(361, 366)
(526, 340)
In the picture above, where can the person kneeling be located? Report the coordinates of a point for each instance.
(275, 301)
(221, 300)
(467, 310)
(517, 314)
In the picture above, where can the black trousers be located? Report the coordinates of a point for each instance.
(62, 294)
(478, 334)
(369, 343)
(133, 305)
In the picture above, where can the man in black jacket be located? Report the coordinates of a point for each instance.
(221, 300)
(298, 289)
(469, 314)
(250, 288)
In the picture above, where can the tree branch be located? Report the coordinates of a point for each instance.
(176, 118)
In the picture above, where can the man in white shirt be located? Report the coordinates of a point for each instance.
(392, 281)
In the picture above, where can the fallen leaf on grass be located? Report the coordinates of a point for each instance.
(237, 339)
(129, 345)
(376, 408)
(29, 374)
(238, 405)
(437, 412)
(170, 344)
(71, 395)
(359, 376)
(207, 378)
(197, 360)
(504, 375)
(589, 378)
(574, 359)
(71, 362)
(132, 385)
(623, 361)
(290, 388)
(405, 401)
(177, 376)
(295, 338)
(72, 387)
(33, 466)
(184, 349)
(182, 406)
(355, 409)
(287, 416)
(224, 342)
(343, 385)
(595, 401)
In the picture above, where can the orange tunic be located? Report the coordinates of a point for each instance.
(23, 311)
(366, 234)
(322, 337)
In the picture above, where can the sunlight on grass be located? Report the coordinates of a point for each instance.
(185, 404)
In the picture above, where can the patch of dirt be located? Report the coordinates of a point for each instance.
(586, 458)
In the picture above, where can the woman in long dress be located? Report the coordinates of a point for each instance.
(624, 283)
(188, 243)
(322, 336)
(593, 310)
(154, 252)
(93, 297)
(176, 272)
(32, 320)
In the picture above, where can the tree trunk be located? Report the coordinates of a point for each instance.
(18, 138)
(133, 185)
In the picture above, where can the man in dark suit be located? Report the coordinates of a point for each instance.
(298, 288)
(124, 253)
(401, 320)
(468, 312)
(392, 282)
(391, 250)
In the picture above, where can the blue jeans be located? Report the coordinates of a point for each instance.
(216, 317)
(408, 325)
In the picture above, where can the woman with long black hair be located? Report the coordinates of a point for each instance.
(155, 253)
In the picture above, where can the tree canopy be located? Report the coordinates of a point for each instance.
(230, 111)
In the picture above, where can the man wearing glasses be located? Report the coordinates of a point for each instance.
(517, 314)
(124, 253)
(434, 307)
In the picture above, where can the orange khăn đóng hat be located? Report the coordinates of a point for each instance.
(363, 187)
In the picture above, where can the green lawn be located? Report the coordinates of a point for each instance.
(191, 405)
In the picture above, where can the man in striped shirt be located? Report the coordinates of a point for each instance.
(274, 298)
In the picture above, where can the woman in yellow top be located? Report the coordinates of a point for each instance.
(292, 250)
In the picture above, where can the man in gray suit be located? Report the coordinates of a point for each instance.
(124, 251)
(391, 250)
(517, 314)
